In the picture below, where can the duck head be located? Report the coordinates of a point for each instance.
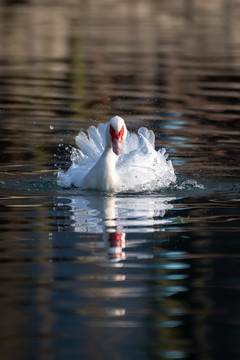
(116, 134)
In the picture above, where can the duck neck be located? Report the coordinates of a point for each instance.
(109, 160)
(108, 180)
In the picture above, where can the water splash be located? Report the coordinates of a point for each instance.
(189, 184)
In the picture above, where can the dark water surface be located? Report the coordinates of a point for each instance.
(132, 276)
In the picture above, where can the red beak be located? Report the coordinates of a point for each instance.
(117, 146)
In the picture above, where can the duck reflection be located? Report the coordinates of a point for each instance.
(115, 216)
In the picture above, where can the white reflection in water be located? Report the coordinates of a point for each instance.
(115, 216)
(131, 214)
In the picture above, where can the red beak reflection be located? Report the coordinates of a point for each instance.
(116, 242)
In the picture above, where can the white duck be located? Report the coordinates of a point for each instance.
(111, 159)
